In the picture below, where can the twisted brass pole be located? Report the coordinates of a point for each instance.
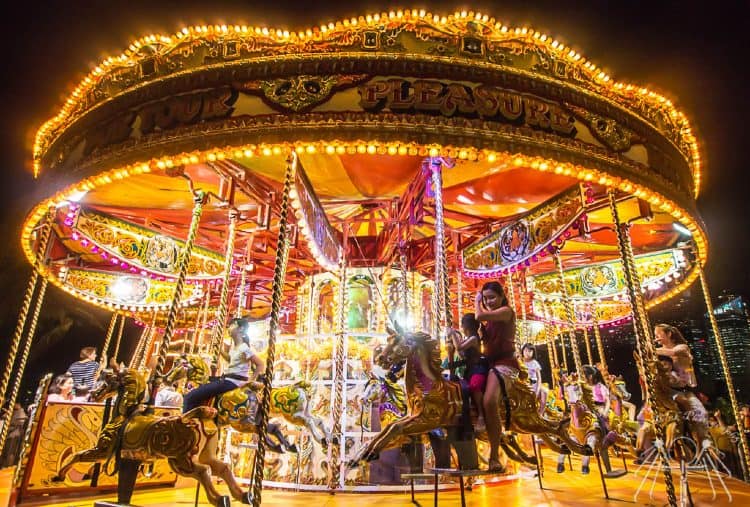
(279, 275)
(511, 290)
(442, 280)
(338, 380)
(199, 199)
(119, 338)
(108, 338)
(149, 341)
(570, 316)
(44, 235)
(460, 292)
(551, 352)
(642, 331)
(600, 347)
(241, 290)
(22, 364)
(140, 345)
(522, 304)
(727, 373)
(590, 356)
(221, 315)
(561, 334)
(403, 264)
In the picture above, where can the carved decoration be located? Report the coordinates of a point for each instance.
(144, 248)
(469, 41)
(125, 290)
(606, 130)
(300, 93)
(520, 240)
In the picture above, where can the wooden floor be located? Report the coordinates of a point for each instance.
(567, 489)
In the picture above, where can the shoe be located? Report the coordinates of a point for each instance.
(560, 468)
(495, 466)
(480, 426)
(585, 470)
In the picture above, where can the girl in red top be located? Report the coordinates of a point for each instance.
(499, 323)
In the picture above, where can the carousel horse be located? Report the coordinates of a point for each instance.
(620, 420)
(188, 442)
(588, 427)
(677, 422)
(238, 408)
(389, 396)
(433, 402)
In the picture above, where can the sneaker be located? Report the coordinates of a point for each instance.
(585, 470)
(560, 468)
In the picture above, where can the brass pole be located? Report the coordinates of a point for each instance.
(642, 330)
(22, 364)
(149, 343)
(44, 236)
(140, 345)
(600, 347)
(199, 199)
(279, 274)
(108, 338)
(334, 482)
(727, 373)
(221, 315)
(522, 304)
(570, 316)
(588, 345)
(119, 338)
(561, 334)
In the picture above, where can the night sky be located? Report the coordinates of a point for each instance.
(693, 52)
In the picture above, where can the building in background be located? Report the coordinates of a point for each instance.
(733, 319)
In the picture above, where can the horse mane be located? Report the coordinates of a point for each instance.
(397, 394)
(134, 386)
(430, 345)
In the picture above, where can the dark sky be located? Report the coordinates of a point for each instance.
(692, 51)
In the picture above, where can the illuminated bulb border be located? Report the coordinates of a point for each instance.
(131, 57)
(470, 153)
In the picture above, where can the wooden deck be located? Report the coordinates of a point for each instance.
(567, 489)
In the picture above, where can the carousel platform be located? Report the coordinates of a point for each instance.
(568, 489)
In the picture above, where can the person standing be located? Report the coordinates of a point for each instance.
(528, 353)
(15, 436)
(167, 396)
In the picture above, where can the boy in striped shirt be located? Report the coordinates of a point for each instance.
(86, 370)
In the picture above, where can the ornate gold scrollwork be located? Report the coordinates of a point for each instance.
(299, 93)
(606, 130)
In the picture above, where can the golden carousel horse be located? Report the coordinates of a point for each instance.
(678, 424)
(588, 427)
(237, 408)
(433, 402)
(188, 441)
(389, 396)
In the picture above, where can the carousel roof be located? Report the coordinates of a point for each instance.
(524, 121)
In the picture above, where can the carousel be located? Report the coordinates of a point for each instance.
(348, 189)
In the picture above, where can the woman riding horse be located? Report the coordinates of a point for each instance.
(236, 374)
(673, 345)
(499, 321)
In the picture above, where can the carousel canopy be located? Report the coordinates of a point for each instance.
(530, 136)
